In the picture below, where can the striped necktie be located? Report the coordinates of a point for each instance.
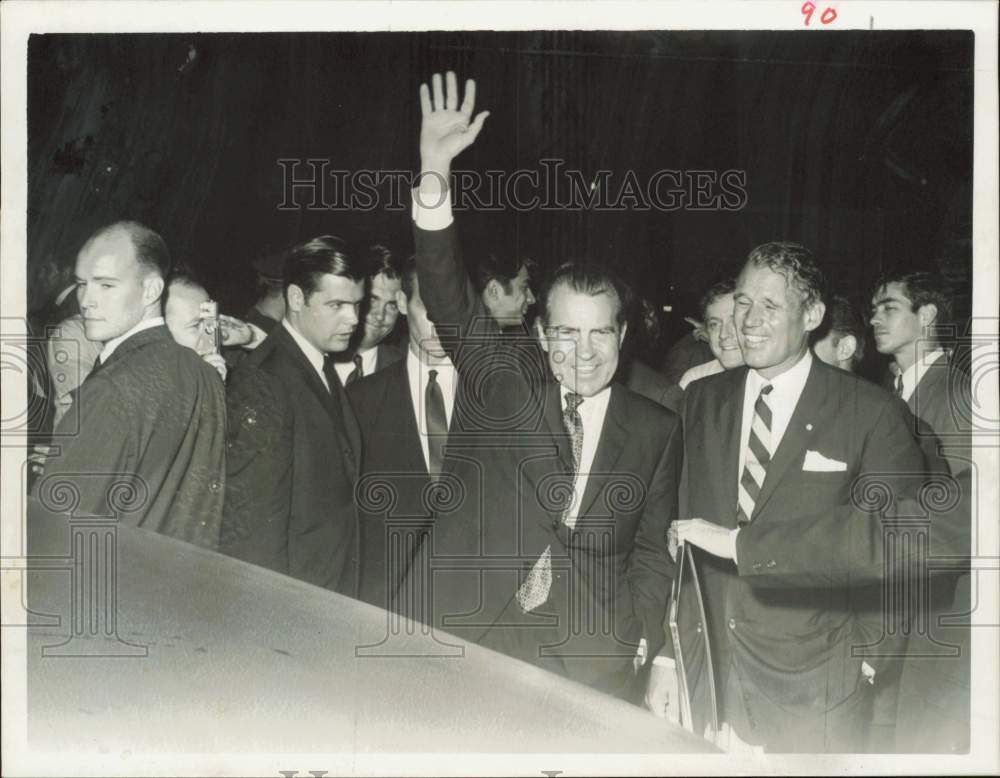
(357, 372)
(757, 459)
(897, 385)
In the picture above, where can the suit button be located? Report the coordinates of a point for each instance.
(771, 563)
(732, 624)
(756, 565)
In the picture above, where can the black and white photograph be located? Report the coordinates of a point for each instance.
(456, 388)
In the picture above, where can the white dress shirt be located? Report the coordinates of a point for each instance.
(592, 412)
(418, 374)
(313, 354)
(432, 204)
(913, 374)
(368, 360)
(114, 343)
(783, 399)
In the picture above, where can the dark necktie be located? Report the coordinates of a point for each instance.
(757, 459)
(574, 426)
(437, 424)
(357, 372)
(98, 365)
(897, 386)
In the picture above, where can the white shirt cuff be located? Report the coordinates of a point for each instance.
(432, 203)
(664, 661)
(258, 337)
(732, 543)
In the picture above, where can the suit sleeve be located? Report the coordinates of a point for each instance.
(650, 568)
(847, 545)
(258, 470)
(106, 435)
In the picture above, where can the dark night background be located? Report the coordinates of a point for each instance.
(857, 144)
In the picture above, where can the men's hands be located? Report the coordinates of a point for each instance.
(216, 361)
(235, 332)
(446, 130)
(663, 693)
(714, 539)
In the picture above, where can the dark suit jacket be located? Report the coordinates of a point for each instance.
(293, 460)
(153, 419)
(510, 462)
(942, 401)
(258, 319)
(394, 504)
(642, 379)
(785, 620)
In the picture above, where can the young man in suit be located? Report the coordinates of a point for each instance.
(294, 443)
(374, 352)
(908, 308)
(404, 413)
(796, 471)
(151, 413)
(554, 547)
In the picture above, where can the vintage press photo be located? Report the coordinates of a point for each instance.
(471, 388)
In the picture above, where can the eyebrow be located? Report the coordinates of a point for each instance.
(884, 300)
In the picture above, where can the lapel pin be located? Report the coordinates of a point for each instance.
(809, 427)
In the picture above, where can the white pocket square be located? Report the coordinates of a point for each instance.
(817, 463)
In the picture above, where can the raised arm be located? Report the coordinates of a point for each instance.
(445, 131)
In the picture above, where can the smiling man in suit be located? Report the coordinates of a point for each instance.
(555, 550)
(404, 412)
(294, 443)
(794, 469)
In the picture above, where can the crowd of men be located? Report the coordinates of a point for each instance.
(541, 482)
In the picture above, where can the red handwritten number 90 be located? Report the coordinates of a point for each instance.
(828, 15)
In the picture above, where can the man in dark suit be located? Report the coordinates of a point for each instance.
(147, 438)
(404, 413)
(294, 443)
(374, 350)
(553, 549)
(797, 470)
(908, 310)
(269, 309)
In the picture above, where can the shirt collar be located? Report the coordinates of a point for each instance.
(444, 366)
(114, 343)
(314, 355)
(590, 405)
(788, 383)
(915, 372)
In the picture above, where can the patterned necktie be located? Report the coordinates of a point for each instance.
(897, 385)
(357, 372)
(757, 459)
(437, 424)
(574, 426)
(535, 589)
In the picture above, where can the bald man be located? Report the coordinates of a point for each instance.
(148, 441)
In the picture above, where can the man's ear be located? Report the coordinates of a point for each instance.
(152, 289)
(814, 315)
(846, 347)
(927, 314)
(541, 335)
(296, 299)
(494, 290)
(401, 301)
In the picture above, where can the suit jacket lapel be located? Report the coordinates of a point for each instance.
(309, 374)
(610, 446)
(553, 420)
(796, 436)
(727, 416)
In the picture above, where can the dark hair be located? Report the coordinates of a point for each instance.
(717, 290)
(325, 255)
(797, 264)
(842, 319)
(923, 287)
(591, 278)
(180, 277)
(408, 275)
(150, 249)
(379, 259)
(501, 266)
